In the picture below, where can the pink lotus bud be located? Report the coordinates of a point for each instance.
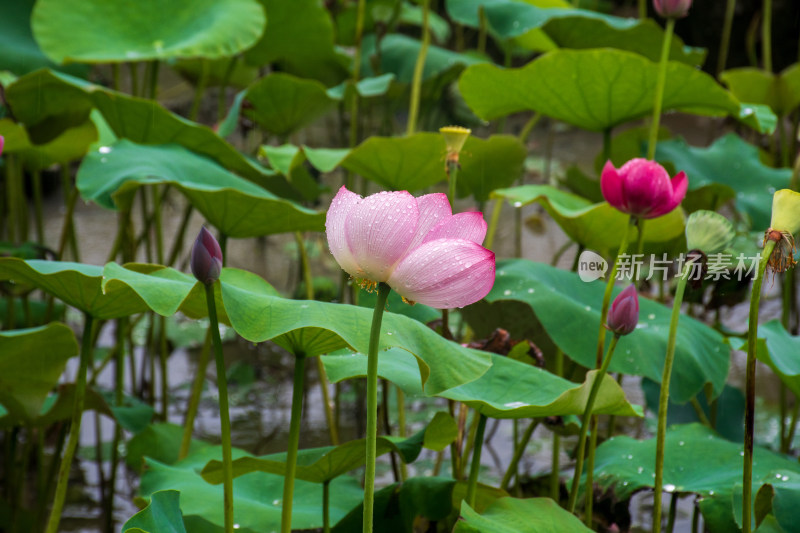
(624, 313)
(642, 188)
(206, 257)
(672, 9)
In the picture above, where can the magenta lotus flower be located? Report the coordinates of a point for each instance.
(624, 313)
(206, 257)
(672, 9)
(416, 245)
(642, 188)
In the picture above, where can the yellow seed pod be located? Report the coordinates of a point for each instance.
(786, 211)
(454, 138)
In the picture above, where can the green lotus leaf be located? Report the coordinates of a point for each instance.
(366, 88)
(129, 31)
(299, 37)
(594, 89)
(778, 350)
(775, 502)
(217, 72)
(49, 101)
(417, 161)
(282, 104)
(781, 92)
(580, 218)
(70, 145)
(728, 169)
(76, 284)
(696, 460)
(569, 311)
(511, 515)
(509, 389)
(258, 495)
(237, 207)
(31, 363)
(19, 52)
(321, 465)
(566, 27)
(163, 513)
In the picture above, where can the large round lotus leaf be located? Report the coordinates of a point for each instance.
(98, 31)
(729, 168)
(163, 513)
(567, 27)
(258, 496)
(509, 389)
(696, 460)
(19, 52)
(781, 92)
(235, 206)
(31, 363)
(76, 284)
(592, 89)
(299, 37)
(580, 218)
(511, 515)
(569, 311)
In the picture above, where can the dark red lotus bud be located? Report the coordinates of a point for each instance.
(206, 257)
(672, 9)
(624, 313)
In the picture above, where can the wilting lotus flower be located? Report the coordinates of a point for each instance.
(624, 313)
(416, 245)
(642, 188)
(672, 9)
(206, 257)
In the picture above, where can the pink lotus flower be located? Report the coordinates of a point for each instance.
(672, 9)
(642, 188)
(206, 257)
(624, 313)
(416, 245)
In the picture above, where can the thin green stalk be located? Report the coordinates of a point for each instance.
(326, 399)
(601, 337)
(294, 441)
(152, 79)
(224, 416)
(401, 430)
(226, 78)
(642, 9)
(194, 397)
(750, 387)
(701, 414)
(452, 176)
(528, 127)
(119, 383)
(199, 90)
(177, 245)
(483, 30)
(673, 507)
(493, 222)
(372, 405)
(598, 380)
(75, 427)
(663, 399)
(134, 73)
(555, 468)
(416, 83)
(37, 205)
(353, 140)
(305, 266)
(766, 35)
(696, 518)
(607, 144)
(792, 425)
(725, 38)
(519, 450)
(588, 514)
(662, 78)
(472, 483)
(326, 512)
(163, 353)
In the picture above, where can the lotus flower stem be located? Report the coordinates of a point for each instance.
(294, 440)
(226, 78)
(475, 467)
(519, 450)
(766, 35)
(75, 427)
(642, 9)
(326, 399)
(177, 245)
(598, 380)
(359, 31)
(750, 387)
(199, 90)
(673, 508)
(725, 38)
(663, 399)
(493, 222)
(661, 80)
(372, 405)
(326, 511)
(639, 244)
(601, 338)
(194, 398)
(224, 415)
(528, 127)
(133, 68)
(588, 514)
(401, 425)
(555, 469)
(416, 83)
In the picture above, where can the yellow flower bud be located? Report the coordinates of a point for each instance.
(786, 211)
